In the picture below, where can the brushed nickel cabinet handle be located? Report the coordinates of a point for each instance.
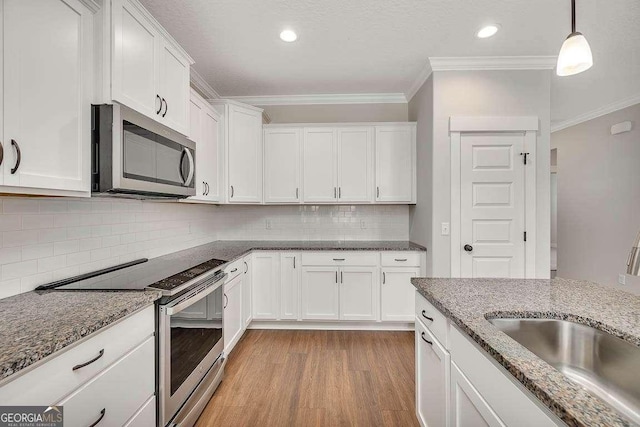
(335, 192)
(384, 277)
(89, 362)
(14, 143)
(341, 281)
(336, 276)
(294, 262)
(339, 192)
(246, 267)
(232, 191)
(401, 259)
(338, 259)
(377, 191)
(296, 193)
(104, 411)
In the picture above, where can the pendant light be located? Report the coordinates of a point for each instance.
(575, 54)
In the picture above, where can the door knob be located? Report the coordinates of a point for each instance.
(468, 248)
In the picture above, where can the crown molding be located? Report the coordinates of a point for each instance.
(202, 86)
(93, 5)
(419, 81)
(609, 108)
(480, 63)
(346, 98)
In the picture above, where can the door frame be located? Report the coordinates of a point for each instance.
(527, 125)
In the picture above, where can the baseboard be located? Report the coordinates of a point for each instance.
(331, 325)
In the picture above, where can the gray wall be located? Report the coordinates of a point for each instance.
(598, 198)
(488, 93)
(421, 214)
(337, 113)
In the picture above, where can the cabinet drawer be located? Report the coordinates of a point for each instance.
(340, 258)
(61, 379)
(234, 269)
(146, 416)
(103, 396)
(400, 259)
(435, 321)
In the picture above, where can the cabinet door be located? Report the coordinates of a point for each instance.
(358, 293)
(282, 165)
(355, 164)
(134, 76)
(233, 324)
(174, 88)
(432, 380)
(398, 294)
(289, 285)
(195, 134)
(244, 149)
(394, 163)
(47, 83)
(246, 292)
(468, 408)
(208, 156)
(319, 165)
(265, 289)
(319, 293)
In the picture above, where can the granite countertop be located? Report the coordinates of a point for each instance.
(469, 302)
(36, 325)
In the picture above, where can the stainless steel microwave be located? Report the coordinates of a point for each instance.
(135, 156)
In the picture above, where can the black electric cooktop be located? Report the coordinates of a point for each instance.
(173, 282)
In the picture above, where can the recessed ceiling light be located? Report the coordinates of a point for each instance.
(288, 36)
(488, 31)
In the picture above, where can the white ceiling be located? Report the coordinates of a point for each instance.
(380, 46)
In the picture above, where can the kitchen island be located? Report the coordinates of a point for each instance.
(469, 303)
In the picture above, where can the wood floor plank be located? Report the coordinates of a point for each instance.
(316, 378)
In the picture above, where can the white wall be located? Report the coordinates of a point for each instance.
(42, 240)
(488, 93)
(421, 214)
(340, 113)
(598, 198)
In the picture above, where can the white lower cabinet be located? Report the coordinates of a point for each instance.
(359, 293)
(468, 408)
(289, 285)
(265, 290)
(320, 298)
(459, 385)
(233, 321)
(397, 294)
(432, 379)
(247, 313)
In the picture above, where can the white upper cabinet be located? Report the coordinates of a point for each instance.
(282, 150)
(243, 149)
(355, 164)
(45, 113)
(395, 163)
(205, 131)
(319, 165)
(149, 70)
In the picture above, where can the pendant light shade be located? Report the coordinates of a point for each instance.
(575, 55)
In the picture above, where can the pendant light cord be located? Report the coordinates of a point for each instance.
(573, 16)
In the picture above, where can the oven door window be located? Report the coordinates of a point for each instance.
(194, 333)
(152, 157)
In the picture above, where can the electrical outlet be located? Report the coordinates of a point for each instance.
(363, 224)
(445, 228)
(267, 224)
(622, 279)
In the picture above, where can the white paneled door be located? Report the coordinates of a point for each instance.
(492, 205)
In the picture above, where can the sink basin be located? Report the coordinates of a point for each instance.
(604, 364)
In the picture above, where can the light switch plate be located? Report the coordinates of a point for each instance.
(445, 228)
(363, 224)
(267, 224)
(622, 279)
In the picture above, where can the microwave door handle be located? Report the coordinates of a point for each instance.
(189, 178)
(175, 309)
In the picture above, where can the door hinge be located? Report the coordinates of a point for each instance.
(524, 157)
(525, 236)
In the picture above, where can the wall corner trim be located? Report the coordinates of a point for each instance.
(318, 99)
(198, 82)
(483, 63)
(604, 110)
(419, 81)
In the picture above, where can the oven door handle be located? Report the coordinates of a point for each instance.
(175, 309)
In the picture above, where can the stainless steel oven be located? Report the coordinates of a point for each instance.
(133, 155)
(190, 350)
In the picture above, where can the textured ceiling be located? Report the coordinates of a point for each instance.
(374, 46)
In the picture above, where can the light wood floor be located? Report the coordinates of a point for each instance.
(317, 378)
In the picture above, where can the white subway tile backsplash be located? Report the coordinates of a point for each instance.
(64, 237)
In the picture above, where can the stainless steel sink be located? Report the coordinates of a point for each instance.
(606, 365)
